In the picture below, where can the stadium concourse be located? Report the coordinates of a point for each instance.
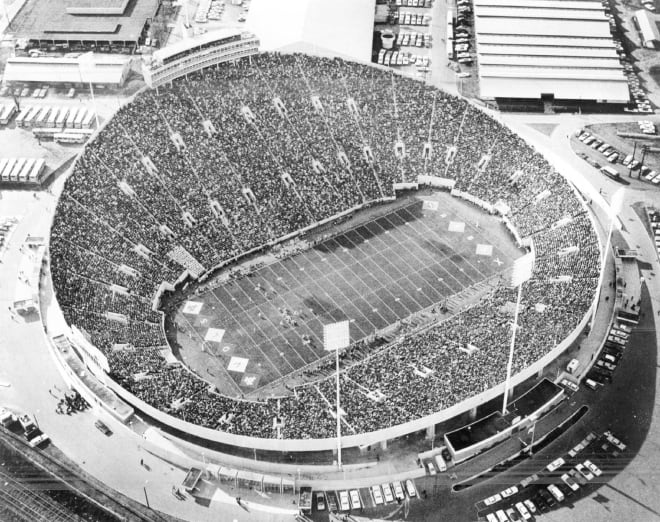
(303, 139)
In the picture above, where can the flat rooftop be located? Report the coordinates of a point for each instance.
(52, 20)
(531, 49)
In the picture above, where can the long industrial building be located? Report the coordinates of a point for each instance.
(547, 51)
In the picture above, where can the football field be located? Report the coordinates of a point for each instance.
(268, 324)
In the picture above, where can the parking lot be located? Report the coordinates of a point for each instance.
(571, 475)
(357, 500)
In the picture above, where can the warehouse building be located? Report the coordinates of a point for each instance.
(536, 54)
(84, 25)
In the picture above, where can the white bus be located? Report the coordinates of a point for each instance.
(44, 133)
(3, 164)
(9, 166)
(41, 117)
(35, 174)
(88, 120)
(71, 137)
(71, 118)
(18, 166)
(52, 118)
(61, 117)
(21, 116)
(79, 118)
(29, 118)
(609, 172)
(25, 171)
(6, 113)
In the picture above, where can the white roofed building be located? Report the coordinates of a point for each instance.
(647, 27)
(341, 28)
(553, 51)
(103, 69)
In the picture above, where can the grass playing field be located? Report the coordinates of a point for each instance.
(264, 326)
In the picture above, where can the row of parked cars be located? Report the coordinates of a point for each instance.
(612, 155)
(414, 3)
(654, 218)
(609, 358)
(559, 480)
(379, 494)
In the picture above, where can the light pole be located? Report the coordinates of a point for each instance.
(86, 60)
(144, 488)
(336, 336)
(522, 271)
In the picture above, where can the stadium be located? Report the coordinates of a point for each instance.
(221, 218)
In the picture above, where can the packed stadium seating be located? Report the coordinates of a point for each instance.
(296, 139)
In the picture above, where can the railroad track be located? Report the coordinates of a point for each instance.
(60, 473)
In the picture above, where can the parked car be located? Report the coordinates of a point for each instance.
(387, 492)
(320, 501)
(584, 472)
(529, 504)
(614, 441)
(555, 492)
(398, 491)
(493, 499)
(570, 482)
(355, 499)
(557, 463)
(376, 494)
(410, 488)
(344, 504)
(509, 491)
(524, 512)
(100, 425)
(513, 515)
(593, 468)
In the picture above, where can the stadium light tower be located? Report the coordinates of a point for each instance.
(336, 336)
(86, 65)
(522, 271)
(615, 208)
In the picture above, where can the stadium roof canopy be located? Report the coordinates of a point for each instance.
(107, 70)
(83, 20)
(328, 28)
(530, 49)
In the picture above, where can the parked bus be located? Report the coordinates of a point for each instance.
(3, 164)
(8, 168)
(29, 118)
(20, 119)
(79, 118)
(41, 119)
(61, 117)
(71, 118)
(88, 120)
(6, 113)
(35, 174)
(25, 171)
(70, 137)
(13, 175)
(45, 133)
(610, 172)
(52, 118)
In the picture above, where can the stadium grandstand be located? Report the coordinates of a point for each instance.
(547, 51)
(230, 160)
(190, 55)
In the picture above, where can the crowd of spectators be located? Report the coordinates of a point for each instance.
(293, 140)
